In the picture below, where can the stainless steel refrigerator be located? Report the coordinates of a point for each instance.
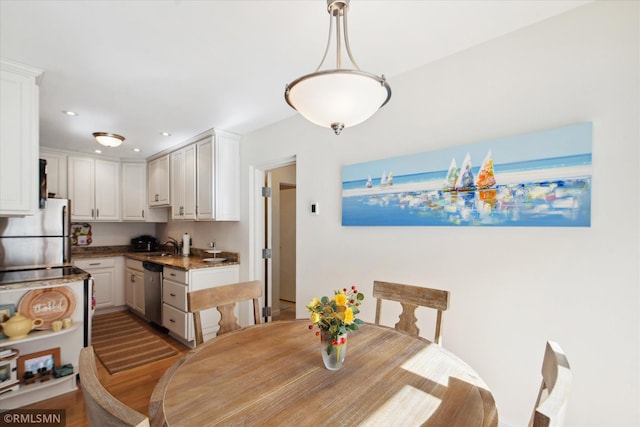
(38, 248)
(41, 240)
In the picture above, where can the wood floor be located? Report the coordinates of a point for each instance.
(287, 311)
(133, 386)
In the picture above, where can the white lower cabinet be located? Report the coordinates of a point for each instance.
(175, 286)
(107, 274)
(134, 285)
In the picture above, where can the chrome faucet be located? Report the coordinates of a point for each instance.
(173, 242)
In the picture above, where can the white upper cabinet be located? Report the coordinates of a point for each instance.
(56, 172)
(158, 190)
(183, 183)
(134, 195)
(218, 178)
(94, 189)
(19, 139)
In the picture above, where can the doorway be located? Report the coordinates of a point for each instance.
(282, 217)
(274, 228)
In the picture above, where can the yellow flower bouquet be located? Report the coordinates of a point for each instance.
(335, 317)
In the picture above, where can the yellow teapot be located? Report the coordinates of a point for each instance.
(19, 326)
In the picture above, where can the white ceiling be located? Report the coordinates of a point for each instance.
(138, 68)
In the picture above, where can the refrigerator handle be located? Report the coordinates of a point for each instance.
(65, 221)
(66, 226)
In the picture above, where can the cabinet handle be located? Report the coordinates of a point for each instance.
(97, 213)
(95, 263)
(173, 295)
(157, 197)
(172, 274)
(142, 213)
(133, 278)
(172, 321)
(92, 213)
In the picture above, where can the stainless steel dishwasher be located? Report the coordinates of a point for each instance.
(153, 292)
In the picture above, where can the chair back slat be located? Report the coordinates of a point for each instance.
(224, 298)
(551, 404)
(410, 298)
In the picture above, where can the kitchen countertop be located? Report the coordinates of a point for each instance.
(193, 261)
(41, 278)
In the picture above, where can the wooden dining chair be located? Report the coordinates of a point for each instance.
(551, 404)
(224, 298)
(410, 297)
(102, 408)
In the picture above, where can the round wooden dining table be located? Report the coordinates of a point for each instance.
(272, 374)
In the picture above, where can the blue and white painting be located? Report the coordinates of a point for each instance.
(540, 179)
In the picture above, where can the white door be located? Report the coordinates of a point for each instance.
(261, 230)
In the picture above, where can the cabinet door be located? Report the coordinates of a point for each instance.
(56, 172)
(219, 178)
(81, 188)
(227, 178)
(205, 184)
(159, 182)
(138, 291)
(105, 290)
(189, 211)
(19, 139)
(129, 283)
(134, 191)
(177, 184)
(107, 190)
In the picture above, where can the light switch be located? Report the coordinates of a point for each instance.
(314, 208)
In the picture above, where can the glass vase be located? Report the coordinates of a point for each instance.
(333, 350)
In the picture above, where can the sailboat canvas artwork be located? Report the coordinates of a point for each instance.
(539, 179)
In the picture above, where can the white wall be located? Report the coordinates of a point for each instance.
(225, 233)
(512, 288)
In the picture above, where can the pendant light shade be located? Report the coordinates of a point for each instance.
(338, 98)
(108, 139)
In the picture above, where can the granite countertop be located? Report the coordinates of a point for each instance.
(193, 261)
(41, 278)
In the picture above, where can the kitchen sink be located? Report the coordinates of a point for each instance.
(157, 254)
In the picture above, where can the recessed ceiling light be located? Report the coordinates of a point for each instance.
(70, 113)
(165, 134)
(137, 150)
(98, 151)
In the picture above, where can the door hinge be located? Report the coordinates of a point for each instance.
(266, 311)
(266, 253)
(266, 191)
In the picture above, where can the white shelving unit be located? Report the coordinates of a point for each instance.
(69, 340)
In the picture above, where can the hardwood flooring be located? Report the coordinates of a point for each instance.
(287, 311)
(133, 386)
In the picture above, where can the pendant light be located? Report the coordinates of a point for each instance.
(108, 139)
(340, 97)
